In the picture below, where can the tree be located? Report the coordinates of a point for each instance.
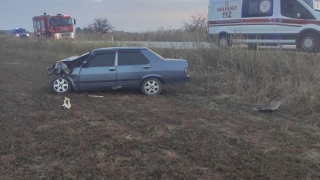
(78, 29)
(100, 25)
(197, 21)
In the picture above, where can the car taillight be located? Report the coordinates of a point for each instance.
(186, 70)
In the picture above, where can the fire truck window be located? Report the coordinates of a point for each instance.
(35, 25)
(257, 8)
(102, 60)
(291, 9)
(63, 21)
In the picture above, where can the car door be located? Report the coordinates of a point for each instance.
(99, 71)
(132, 66)
(294, 18)
(257, 21)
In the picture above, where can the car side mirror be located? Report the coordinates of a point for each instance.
(84, 64)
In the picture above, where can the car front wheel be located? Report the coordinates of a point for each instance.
(151, 86)
(60, 85)
(310, 42)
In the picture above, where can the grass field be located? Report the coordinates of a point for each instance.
(205, 129)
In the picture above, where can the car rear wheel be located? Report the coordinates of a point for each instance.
(309, 42)
(60, 85)
(223, 41)
(151, 86)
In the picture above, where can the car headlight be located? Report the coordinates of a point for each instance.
(186, 70)
(57, 35)
(17, 35)
(72, 35)
(28, 35)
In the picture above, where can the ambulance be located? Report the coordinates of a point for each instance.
(265, 22)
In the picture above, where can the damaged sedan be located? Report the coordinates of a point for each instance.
(115, 68)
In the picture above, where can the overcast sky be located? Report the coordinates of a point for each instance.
(125, 15)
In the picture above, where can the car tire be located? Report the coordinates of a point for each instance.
(151, 86)
(60, 85)
(223, 41)
(309, 42)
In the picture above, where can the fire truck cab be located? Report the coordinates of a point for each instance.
(55, 27)
(265, 22)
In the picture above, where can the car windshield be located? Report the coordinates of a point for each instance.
(63, 21)
(20, 31)
(313, 4)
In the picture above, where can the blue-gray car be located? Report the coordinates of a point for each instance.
(115, 68)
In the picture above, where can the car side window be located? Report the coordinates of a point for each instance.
(293, 9)
(257, 8)
(101, 60)
(131, 58)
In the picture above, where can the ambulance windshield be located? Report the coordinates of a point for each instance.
(314, 4)
(63, 21)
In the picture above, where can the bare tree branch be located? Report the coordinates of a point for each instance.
(197, 21)
(100, 25)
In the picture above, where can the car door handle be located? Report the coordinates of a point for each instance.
(112, 69)
(146, 67)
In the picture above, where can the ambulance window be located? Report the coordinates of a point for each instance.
(257, 8)
(293, 9)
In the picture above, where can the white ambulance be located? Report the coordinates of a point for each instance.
(265, 22)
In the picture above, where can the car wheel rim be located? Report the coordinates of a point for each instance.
(308, 43)
(223, 42)
(60, 85)
(151, 87)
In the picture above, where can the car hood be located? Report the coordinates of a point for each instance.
(69, 59)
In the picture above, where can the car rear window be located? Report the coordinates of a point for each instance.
(134, 57)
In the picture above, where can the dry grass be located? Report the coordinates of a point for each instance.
(203, 130)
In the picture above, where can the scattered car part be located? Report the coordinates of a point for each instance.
(95, 96)
(66, 103)
(273, 106)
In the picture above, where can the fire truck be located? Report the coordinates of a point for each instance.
(55, 27)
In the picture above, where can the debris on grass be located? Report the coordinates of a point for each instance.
(88, 95)
(66, 103)
(273, 106)
(95, 96)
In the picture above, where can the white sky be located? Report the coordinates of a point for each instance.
(125, 15)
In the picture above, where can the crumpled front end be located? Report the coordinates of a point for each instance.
(61, 67)
(58, 69)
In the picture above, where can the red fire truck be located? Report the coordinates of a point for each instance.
(55, 27)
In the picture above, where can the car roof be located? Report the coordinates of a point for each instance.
(121, 48)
